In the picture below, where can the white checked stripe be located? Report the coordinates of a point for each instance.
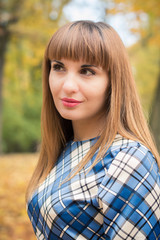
(141, 182)
(143, 216)
(63, 231)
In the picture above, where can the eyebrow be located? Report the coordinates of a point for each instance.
(82, 66)
(58, 62)
(88, 65)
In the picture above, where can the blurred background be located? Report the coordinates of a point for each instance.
(25, 29)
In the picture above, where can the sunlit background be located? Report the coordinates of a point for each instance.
(25, 28)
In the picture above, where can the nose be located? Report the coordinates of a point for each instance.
(70, 84)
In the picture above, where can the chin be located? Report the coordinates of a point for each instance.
(68, 117)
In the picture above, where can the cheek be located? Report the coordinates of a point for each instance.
(98, 91)
(52, 85)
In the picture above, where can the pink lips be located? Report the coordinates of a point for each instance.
(70, 102)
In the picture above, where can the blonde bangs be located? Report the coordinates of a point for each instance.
(79, 41)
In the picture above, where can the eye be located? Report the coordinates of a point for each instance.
(58, 67)
(87, 71)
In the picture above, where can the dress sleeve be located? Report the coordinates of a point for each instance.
(129, 196)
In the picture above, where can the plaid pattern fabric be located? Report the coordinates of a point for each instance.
(118, 199)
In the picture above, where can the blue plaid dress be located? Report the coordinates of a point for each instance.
(118, 199)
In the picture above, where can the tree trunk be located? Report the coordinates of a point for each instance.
(155, 115)
(4, 37)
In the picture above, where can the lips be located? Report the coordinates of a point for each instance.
(70, 102)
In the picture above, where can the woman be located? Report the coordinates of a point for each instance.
(97, 175)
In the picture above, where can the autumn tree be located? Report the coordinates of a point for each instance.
(146, 23)
(8, 16)
(31, 22)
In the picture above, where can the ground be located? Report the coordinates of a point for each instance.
(15, 172)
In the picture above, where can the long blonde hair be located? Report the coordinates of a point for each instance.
(96, 43)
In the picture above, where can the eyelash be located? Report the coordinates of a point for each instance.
(59, 68)
(87, 70)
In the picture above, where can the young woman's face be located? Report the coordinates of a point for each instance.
(78, 89)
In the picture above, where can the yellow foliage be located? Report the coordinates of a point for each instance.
(15, 172)
(145, 66)
(152, 11)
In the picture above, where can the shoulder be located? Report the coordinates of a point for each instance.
(122, 144)
(132, 167)
(131, 156)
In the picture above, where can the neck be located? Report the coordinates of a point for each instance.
(84, 130)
